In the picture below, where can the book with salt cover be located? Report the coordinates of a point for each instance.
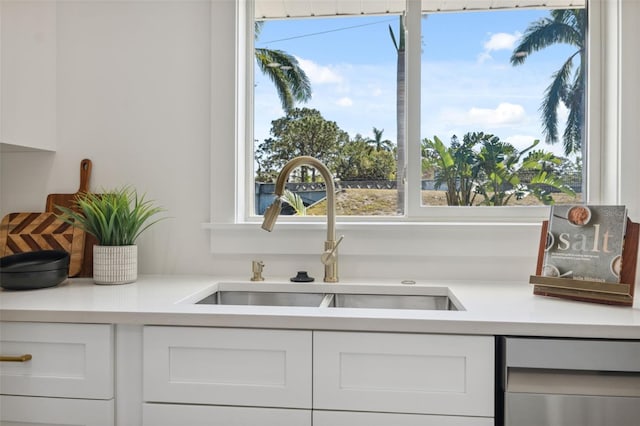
(585, 242)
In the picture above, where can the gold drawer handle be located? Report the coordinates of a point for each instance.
(18, 358)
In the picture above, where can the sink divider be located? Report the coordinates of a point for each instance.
(327, 300)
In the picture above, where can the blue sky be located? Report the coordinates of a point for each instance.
(468, 83)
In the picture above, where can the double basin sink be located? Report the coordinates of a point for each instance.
(331, 296)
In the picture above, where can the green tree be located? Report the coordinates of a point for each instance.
(378, 143)
(359, 160)
(454, 168)
(547, 174)
(283, 69)
(303, 131)
(352, 152)
(496, 161)
(567, 26)
(484, 166)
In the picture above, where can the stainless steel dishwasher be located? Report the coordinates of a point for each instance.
(568, 382)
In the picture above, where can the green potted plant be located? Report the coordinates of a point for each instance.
(116, 218)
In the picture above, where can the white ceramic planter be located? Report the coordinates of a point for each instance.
(115, 264)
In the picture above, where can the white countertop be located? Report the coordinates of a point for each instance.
(490, 308)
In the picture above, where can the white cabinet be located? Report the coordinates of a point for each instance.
(352, 418)
(209, 415)
(231, 376)
(67, 360)
(28, 92)
(221, 366)
(50, 370)
(25, 410)
(404, 373)
(224, 376)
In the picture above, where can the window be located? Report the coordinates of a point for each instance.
(348, 119)
(485, 237)
(467, 91)
(502, 107)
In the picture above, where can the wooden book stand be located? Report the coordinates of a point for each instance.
(592, 291)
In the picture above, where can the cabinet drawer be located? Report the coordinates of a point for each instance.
(266, 368)
(351, 418)
(404, 373)
(207, 415)
(22, 410)
(67, 360)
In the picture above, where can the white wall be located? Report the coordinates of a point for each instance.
(133, 93)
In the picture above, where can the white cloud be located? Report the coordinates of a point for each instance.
(319, 74)
(502, 41)
(504, 114)
(344, 102)
(498, 41)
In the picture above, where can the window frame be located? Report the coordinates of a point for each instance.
(230, 204)
(414, 207)
(414, 210)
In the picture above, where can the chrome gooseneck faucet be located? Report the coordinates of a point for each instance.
(330, 255)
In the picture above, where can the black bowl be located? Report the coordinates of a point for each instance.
(32, 261)
(31, 270)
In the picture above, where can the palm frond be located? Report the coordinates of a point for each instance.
(565, 26)
(295, 201)
(553, 96)
(292, 83)
(393, 38)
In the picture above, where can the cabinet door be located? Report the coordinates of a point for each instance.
(27, 411)
(221, 366)
(67, 360)
(207, 415)
(28, 74)
(404, 373)
(350, 418)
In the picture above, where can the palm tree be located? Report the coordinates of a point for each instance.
(378, 143)
(566, 26)
(283, 69)
(400, 112)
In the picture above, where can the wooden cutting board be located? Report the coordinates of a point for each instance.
(26, 232)
(68, 201)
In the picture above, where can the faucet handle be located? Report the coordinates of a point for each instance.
(256, 268)
(329, 255)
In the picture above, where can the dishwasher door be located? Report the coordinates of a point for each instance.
(571, 382)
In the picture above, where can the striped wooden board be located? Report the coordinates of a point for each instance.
(24, 232)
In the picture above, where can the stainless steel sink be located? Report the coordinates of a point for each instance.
(356, 297)
(262, 298)
(392, 301)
